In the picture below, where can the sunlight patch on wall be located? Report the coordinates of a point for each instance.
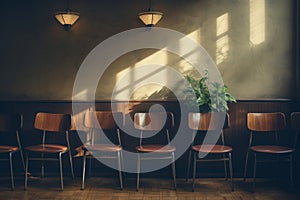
(185, 67)
(160, 57)
(257, 21)
(146, 92)
(195, 35)
(222, 43)
(222, 24)
(129, 78)
(122, 73)
(126, 77)
(82, 95)
(222, 49)
(125, 89)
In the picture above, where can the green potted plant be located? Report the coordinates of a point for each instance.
(210, 96)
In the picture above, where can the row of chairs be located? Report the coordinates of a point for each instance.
(145, 122)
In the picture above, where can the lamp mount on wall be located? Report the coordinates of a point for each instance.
(67, 17)
(150, 17)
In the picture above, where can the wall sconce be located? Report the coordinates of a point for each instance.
(150, 17)
(67, 18)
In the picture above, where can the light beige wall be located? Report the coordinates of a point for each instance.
(250, 40)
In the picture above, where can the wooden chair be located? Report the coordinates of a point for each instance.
(209, 123)
(295, 125)
(259, 123)
(108, 122)
(154, 121)
(11, 124)
(50, 123)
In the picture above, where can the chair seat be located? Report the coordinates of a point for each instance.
(7, 149)
(155, 148)
(271, 149)
(207, 148)
(47, 148)
(103, 147)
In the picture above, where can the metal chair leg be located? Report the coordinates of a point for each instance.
(26, 171)
(194, 170)
(83, 171)
(254, 172)
(138, 173)
(42, 167)
(231, 171)
(174, 170)
(90, 166)
(122, 160)
(122, 164)
(246, 165)
(20, 150)
(225, 167)
(291, 171)
(22, 159)
(188, 165)
(61, 172)
(120, 170)
(71, 164)
(11, 171)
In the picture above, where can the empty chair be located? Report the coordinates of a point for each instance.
(154, 121)
(295, 124)
(259, 123)
(209, 123)
(108, 122)
(11, 124)
(50, 123)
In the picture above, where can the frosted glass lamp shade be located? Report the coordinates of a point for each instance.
(67, 18)
(150, 18)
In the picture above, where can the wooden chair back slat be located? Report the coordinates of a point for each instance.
(103, 119)
(295, 121)
(10, 122)
(153, 121)
(52, 122)
(208, 121)
(261, 122)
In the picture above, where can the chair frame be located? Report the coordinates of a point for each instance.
(45, 127)
(295, 124)
(12, 123)
(102, 118)
(205, 126)
(273, 122)
(152, 127)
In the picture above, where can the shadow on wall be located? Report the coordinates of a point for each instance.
(250, 41)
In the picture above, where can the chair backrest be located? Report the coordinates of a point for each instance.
(295, 121)
(52, 122)
(261, 122)
(153, 121)
(10, 122)
(103, 119)
(211, 121)
(295, 124)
